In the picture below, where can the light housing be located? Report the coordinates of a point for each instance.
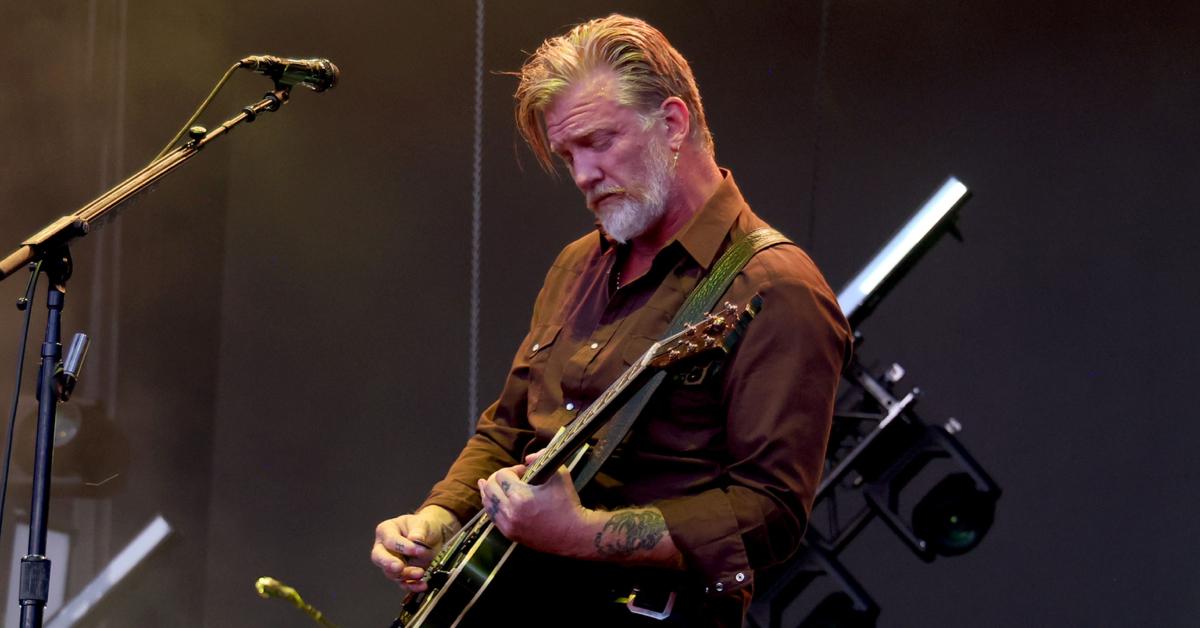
(935, 218)
(954, 515)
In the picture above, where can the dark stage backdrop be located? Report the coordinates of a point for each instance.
(282, 328)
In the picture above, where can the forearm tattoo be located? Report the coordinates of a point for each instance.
(629, 531)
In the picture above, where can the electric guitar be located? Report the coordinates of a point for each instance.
(467, 563)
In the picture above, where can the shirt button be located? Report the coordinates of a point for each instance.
(536, 346)
(740, 577)
(720, 586)
(595, 345)
(570, 406)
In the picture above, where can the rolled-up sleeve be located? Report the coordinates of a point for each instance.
(777, 392)
(504, 430)
(501, 430)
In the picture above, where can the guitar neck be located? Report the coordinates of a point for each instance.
(583, 427)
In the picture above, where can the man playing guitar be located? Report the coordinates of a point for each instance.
(716, 478)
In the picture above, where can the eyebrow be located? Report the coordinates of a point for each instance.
(589, 134)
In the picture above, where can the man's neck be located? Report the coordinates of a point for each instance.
(697, 177)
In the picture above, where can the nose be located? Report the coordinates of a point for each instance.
(586, 173)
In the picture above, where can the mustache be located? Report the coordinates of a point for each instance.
(598, 195)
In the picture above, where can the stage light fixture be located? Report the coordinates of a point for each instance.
(935, 217)
(954, 515)
(878, 447)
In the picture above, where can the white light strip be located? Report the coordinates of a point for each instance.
(917, 228)
(133, 554)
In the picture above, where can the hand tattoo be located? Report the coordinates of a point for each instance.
(504, 484)
(629, 531)
(494, 505)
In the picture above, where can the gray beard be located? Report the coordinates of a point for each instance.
(630, 216)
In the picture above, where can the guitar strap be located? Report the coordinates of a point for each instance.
(698, 304)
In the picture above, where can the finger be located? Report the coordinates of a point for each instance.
(507, 479)
(380, 554)
(534, 456)
(419, 556)
(392, 535)
(416, 586)
(493, 495)
(494, 499)
(410, 551)
(387, 562)
(418, 531)
(412, 573)
(387, 531)
(397, 537)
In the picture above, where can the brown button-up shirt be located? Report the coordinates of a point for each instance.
(732, 460)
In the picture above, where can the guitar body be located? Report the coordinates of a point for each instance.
(536, 590)
(449, 603)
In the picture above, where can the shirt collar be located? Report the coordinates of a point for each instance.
(703, 235)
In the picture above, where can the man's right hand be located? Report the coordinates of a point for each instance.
(405, 545)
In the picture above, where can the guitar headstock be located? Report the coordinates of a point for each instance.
(719, 331)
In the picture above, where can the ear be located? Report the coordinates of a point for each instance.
(678, 120)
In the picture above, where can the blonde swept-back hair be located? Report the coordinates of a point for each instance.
(648, 69)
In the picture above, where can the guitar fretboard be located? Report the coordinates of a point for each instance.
(569, 439)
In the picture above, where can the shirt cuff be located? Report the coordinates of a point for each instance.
(463, 503)
(705, 530)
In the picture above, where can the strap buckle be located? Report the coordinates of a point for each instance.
(645, 611)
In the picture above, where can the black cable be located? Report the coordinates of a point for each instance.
(199, 111)
(25, 303)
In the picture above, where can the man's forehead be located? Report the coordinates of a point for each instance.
(582, 106)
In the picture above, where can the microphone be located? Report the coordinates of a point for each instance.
(72, 364)
(315, 74)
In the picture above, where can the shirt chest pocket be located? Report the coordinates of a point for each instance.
(686, 413)
(543, 378)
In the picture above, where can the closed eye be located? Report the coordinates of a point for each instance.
(599, 140)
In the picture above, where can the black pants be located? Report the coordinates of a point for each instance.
(534, 590)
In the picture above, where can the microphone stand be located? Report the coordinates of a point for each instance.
(51, 246)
